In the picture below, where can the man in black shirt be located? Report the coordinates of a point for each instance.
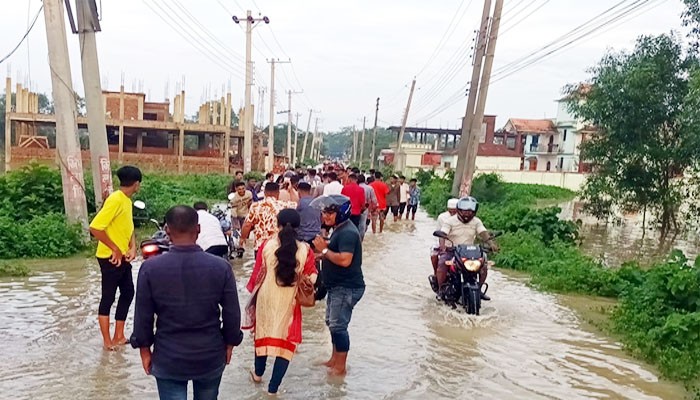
(342, 274)
(185, 287)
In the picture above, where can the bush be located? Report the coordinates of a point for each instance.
(13, 268)
(46, 236)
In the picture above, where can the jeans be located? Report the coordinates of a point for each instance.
(114, 277)
(339, 305)
(278, 371)
(204, 389)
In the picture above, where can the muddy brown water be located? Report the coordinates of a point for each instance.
(526, 345)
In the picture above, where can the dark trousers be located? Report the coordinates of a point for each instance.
(114, 277)
(220, 250)
(278, 371)
(204, 389)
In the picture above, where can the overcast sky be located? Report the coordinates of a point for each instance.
(345, 54)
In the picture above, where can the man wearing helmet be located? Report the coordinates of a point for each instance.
(341, 273)
(463, 228)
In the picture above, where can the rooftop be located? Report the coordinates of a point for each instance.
(533, 125)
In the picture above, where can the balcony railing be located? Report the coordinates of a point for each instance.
(544, 148)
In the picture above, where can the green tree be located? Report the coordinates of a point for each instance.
(645, 105)
(691, 19)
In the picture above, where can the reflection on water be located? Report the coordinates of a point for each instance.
(526, 345)
(617, 243)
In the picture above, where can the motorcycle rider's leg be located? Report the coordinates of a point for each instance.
(434, 262)
(483, 273)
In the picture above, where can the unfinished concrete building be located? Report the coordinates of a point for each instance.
(143, 133)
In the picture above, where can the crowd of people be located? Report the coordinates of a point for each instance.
(188, 317)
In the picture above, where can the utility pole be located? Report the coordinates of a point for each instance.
(88, 24)
(475, 130)
(313, 139)
(248, 123)
(471, 101)
(271, 128)
(374, 136)
(290, 154)
(354, 143)
(67, 147)
(306, 136)
(400, 159)
(296, 137)
(362, 145)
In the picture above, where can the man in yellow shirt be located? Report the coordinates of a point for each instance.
(113, 226)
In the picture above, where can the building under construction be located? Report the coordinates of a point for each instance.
(139, 132)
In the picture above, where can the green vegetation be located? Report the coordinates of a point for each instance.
(32, 221)
(645, 105)
(658, 311)
(13, 268)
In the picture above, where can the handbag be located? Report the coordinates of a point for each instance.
(305, 292)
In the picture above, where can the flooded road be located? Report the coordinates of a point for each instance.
(526, 345)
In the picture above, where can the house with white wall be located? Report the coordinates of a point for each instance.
(541, 142)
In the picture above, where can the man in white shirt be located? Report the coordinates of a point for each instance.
(334, 186)
(403, 195)
(451, 210)
(211, 238)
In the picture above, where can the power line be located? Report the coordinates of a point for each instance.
(523, 18)
(23, 37)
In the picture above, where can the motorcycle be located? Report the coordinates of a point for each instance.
(233, 236)
(462, 285)
(159, 242)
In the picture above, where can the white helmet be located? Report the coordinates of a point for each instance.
(452, 204)
(468, 203)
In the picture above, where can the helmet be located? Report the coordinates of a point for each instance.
(336, 203)
(452, 203)
(468, 203)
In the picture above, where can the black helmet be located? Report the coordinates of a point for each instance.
(336, 203)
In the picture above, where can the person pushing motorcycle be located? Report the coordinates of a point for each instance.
(463, 228)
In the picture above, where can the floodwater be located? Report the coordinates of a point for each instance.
(625, 240)
(526, 345)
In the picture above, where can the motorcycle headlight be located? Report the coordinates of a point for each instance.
(472, 265)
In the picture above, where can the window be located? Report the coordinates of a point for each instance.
(510, 143)
(549, 165)
(564, 140)
(498, 140)
(447, 164)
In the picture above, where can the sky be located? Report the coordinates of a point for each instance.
(344, 54)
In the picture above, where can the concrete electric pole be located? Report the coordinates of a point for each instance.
(67, 146)
(296, 139)
(354, 143)
(271, 128)
(313, 139)
(248, 123)
(306, 136)
(362, 144)
(477, 121)
(374, 136)
(291, 154)
(400, 158)
(471, 101)
(88, 24)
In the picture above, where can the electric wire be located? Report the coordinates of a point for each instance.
(24, 37)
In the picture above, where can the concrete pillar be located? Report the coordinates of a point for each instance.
(25, 100)
(140, 109)
(215, 113)
(182, 107)
(121, 124)
(222, 111)
(176, 108)
(181, 151)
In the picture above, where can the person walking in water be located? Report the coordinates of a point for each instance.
(381, 190)
(194, 296)
(413, 199)
(342, 274)
(113, 227)
(274, 314)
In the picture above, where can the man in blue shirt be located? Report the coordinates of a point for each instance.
(195, 298)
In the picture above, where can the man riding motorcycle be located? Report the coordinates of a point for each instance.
(435, 253)
(463, 228)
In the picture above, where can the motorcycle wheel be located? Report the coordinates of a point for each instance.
(473, 301)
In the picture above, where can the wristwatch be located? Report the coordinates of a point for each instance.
(324, 251)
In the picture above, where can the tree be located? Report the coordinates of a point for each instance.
(691, 19)
(645, 105)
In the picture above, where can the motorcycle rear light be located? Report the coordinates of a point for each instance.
(149, 249)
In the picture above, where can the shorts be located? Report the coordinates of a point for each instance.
(381, 214)
(412, 208)
(402, 208)
(394, 210)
